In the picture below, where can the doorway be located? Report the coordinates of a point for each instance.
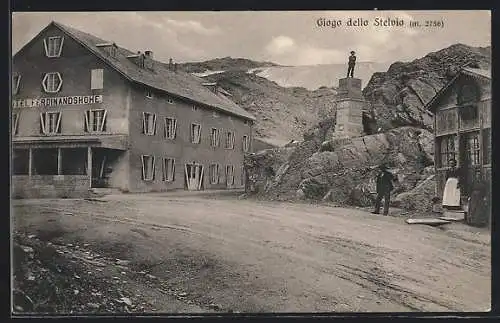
(103, 162)
(194, 176)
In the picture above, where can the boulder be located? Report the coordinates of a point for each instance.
(420, 198)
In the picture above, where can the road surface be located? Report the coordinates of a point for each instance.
(255, 256)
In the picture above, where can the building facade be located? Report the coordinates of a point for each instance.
(87, 114)
(462, 128)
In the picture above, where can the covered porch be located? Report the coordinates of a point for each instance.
(62, 165)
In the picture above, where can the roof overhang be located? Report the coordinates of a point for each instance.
(430, 106)
(119, 142)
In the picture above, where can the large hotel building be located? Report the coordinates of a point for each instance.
(89, 114)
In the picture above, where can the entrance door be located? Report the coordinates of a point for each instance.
(194, 176)
(99, 168)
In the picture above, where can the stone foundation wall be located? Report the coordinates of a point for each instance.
(50, 186)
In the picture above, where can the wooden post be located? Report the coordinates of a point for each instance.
(59, 161)
(30, 162)
(89, 164)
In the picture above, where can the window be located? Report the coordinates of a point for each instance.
(170, 101)
(97, 79)
(15, 122)
(229, 175)
(486, 146)
(195, 108)
(229, 144)
(45, 161)
(73, 161)
(246, 143)
(472, 148)
(20, 161)
(469, 116)
(50, 122)
(170, 128)
(215, 114)
(95, 120)
(53, 46)
(215, 137)
(168, 169)
(149, 123)
(214, 174)
(446, 150)
(16, 80)
(52, 82)
(446, 120)
(468, 93)
(195, 133)
(148, 167)
(149, 94)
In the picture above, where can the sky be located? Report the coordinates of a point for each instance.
(282, 37)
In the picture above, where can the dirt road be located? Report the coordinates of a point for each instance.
(254, 256)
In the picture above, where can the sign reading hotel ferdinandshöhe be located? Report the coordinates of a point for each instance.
(63, 100)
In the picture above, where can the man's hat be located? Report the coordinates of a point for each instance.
(353, 52)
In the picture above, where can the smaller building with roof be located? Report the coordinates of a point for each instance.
(462, 129)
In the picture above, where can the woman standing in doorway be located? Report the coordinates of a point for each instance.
(451, 194)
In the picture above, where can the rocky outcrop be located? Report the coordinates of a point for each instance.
(346, 174)
(398, 96)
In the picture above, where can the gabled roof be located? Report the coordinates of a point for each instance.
(474, 72)
(178, 83)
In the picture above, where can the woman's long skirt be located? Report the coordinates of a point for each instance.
(451, 194)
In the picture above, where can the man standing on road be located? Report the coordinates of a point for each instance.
(384, 187)
(352, 62)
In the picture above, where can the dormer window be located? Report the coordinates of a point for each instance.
(212, 86)
(149, 94)
(53, 46)
(109, 48)
(138, 59)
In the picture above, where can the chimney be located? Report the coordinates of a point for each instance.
(170, 62)
(175, 67)
(148, 59)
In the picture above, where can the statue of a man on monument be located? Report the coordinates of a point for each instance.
(352, 62)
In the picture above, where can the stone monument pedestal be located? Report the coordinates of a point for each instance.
(350, 105)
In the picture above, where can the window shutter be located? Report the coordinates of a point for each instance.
(143, 168)
(153, 167)
(173, 169)
(86, 126)
(144, 128)
(103, 121)
(42, 122)
(97, 79)
(58, 124)
(45, 47)
(61, 46)
(154, 124)
(15, 123)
